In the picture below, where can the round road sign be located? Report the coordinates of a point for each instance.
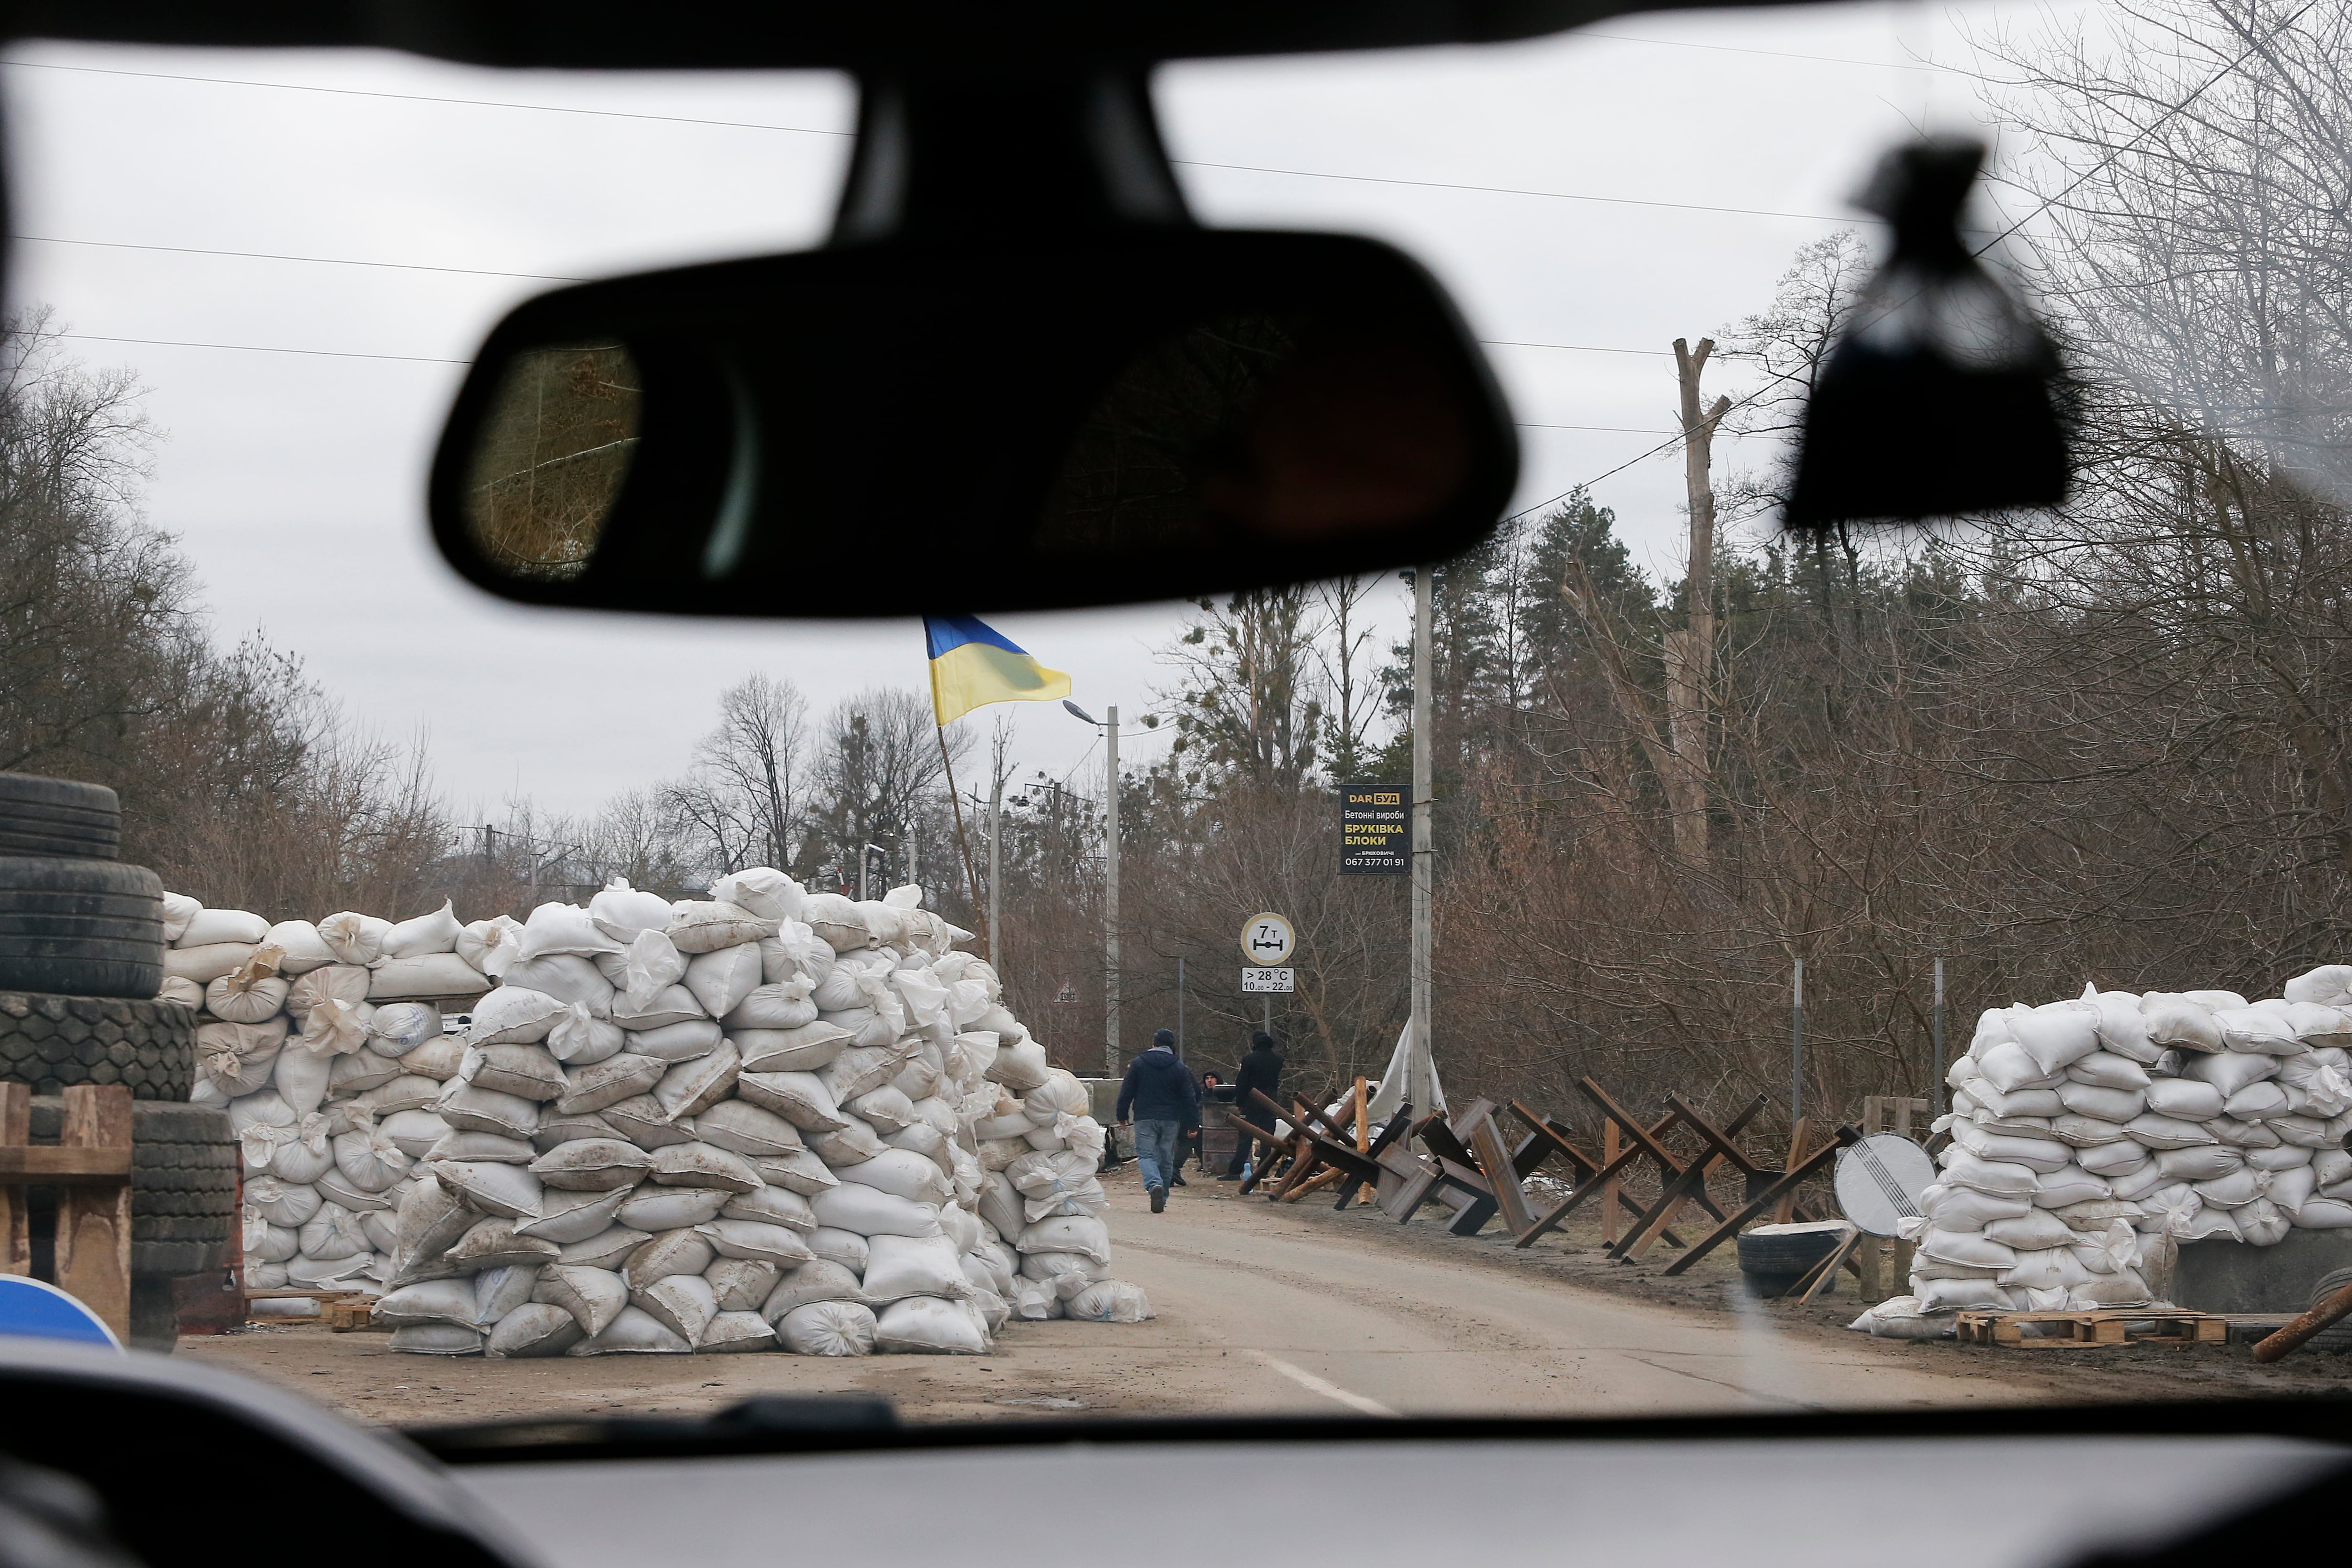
(1879, 1180)
(1267, 940)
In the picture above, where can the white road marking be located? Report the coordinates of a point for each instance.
(1308, 1381)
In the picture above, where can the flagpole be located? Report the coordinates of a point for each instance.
(971, 877)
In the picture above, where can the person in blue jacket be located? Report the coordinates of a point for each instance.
(1159, 1096)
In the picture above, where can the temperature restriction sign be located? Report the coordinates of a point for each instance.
(1375, 829)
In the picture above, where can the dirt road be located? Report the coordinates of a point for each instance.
(1260, 1309)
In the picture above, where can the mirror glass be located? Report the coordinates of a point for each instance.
(862, 432)
(553, 448)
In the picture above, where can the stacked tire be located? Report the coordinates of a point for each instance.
(81, 957)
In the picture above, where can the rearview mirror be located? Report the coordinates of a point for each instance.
(885, 429)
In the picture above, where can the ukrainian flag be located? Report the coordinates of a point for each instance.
(973, 664)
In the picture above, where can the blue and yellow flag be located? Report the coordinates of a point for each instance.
(973, 664)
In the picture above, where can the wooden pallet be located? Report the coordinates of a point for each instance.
(2089, 1331)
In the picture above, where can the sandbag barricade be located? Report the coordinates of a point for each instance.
(758, 1121)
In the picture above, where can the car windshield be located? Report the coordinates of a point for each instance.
(1854, 954)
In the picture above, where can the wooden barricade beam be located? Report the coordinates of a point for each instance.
(1556, 1137)
(1649, 1225)
(1785, 1187)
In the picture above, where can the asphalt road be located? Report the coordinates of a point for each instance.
(1260, 1309)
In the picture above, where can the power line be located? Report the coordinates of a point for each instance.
(1518, 191)
(1775, 54)
(279, 256)
(258, 349)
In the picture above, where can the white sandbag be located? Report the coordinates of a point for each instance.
(486, 1109)
(763, 889)
(369, 1158)
(757, 1241)
(799, 1098)
(414, 1133)
(741, 1284)
(2080, 1133)
(784, 1004)
(2113, 1160)
(2254, 1030)
(566, 1216)
(643, 1122)
(828, 1328)
(593, 1297)
(1084, 1235)
(593, 1164)
(426, 974)
(435, 1339)
(2185, 1099)
(422, 935)
(927, 1325)
(187, 992)
(683, 1303)
(672, 1252)
(345, 982)
(746, 1129)
(1018, 1064)
(682, 1041)
(698, 927)
(433, 1301)
(2178, 1023)
(610, 1249)
(703, 1165)
(509, 1191)
(490, 945)
(870, 1212)
(207, 927)
(579, 1037)
(734, 1332)
(692, 1086)
(1110, 1302)
(821, 1279)
(205, 964)
(248, 994)
(179, 910)
(836, 921)
(2203, 1163)
(2160, 1132)
(658, 1209)
(567, 977)
(2070, 1185)
(861, 1069)
(601, 1085)
(900, 1266)
(846, 1247)
(799, 1170)
(2259, 1102)
(281, 1202)
(621, 913)
(495, 1243)
(805, 1049)
(269, 1243)
(534, 1328)
(2324, 1213)
(349, 1076)
(558, 928)
(354, 938)
(513, 1014)
(1974, 1251)
(901, 1173)
(634, 1331)
(1965, 1208)
(2260, 1223)
(2104, 1104)
(238, 1059)
(2006, 1067)
(2031, 1231)
(526, 1071)
(2286, 1157)
(723, 979)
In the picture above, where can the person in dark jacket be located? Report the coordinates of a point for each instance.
(1261, 1069)
(1161, 1099)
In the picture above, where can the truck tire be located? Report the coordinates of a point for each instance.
(59, 817)
(79, 927)
(50, 1041)
(1773, 1262)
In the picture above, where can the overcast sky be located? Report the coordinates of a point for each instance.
(294, 481)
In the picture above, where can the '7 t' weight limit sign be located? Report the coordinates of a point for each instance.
(1267, 940)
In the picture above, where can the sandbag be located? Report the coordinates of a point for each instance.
(683, 1303)
(821, 1280)
(927, 1325)
(869, 1212)
(514, 1013)
(533, 1329)
(509, 1191)
(763, 889)
(426, 974)
(741, 1284)
(423, 935)
(682, 1041)
(804, 1049)
(354, 938)
(1084, 1235)
(578, 1038)
(622, 912)
(799, 1098)
(732, 1332)
(828, 1328)
(689, 1086)
(698, 927)
(601, 1085)
(632, 1331)
(1109, 1301)
(756, 1240)
(746, 1129)
(556, 928)
(900, 1266)
(593, 1164)
(846, 1247)
(205, 964)
(568, 1216)
(490, 945)
(207, 927)
(703, 1165)
(672, 1208)
(566, 976)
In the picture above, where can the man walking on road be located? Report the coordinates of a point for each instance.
(1159, 1096)
(1261, 1069)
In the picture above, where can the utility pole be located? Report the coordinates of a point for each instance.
(1422, 855)
(1935, 1086)
(1111, 896)
(995, 856)
(1180, 1006)
(1796, 1048)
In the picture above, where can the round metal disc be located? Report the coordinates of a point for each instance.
(1879, 1181)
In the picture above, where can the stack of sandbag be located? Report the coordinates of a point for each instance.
(311, 1036)
(764, 1119)
(2089, 1136)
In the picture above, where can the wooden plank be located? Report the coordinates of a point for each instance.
(1652, 1222)
(1319, 1180)
(16, 1131)
(1817, 1279)
(1610, 1194)
(1486, 1141)
(1364, 1119)
(1797, 1137)
(1391, 1132)
(1669, 1164)
(57, 1166)
(1596, 1182)
(94, 1221)
(1786, 1187)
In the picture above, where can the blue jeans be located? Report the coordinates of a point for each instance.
(1155, 1150)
